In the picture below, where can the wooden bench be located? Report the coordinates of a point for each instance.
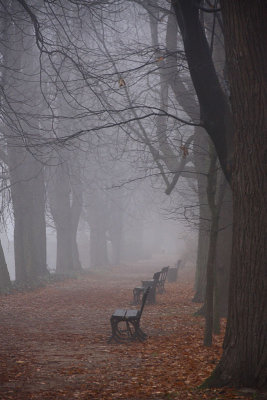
(125, 323)
(156, 284)
(162, 279)
(139, 290)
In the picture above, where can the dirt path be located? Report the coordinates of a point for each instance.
(54, 342)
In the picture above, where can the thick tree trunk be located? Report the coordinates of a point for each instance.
(202, 250)
(97, 218)
(4, 274)
(209, 315)
(64, 263)
(211, 194)
(223, 254)
(201, 146)
(75, 251)
(28, 198)
(244, 358)
(59, 201)
(116, 226)
(76, 210)
(20, 128)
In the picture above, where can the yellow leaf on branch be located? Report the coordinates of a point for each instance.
(122, 82)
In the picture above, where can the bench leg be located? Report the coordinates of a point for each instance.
(161, 289)
(125, 330)
(135, 297)
(138, 333)
(122, 331)
(151, 299)
(113, 330)
(141, 334)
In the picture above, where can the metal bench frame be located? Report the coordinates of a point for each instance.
(162, 279)
(125, 323)
(139, 290)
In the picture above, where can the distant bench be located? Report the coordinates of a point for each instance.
(125, 323)
(139, 290)
(156, 286)
(173, 272)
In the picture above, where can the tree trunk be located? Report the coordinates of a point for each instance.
(59, 201)
(97, 218)
(202, 251)
(28, 198)
(4, 274)
(215, 112)
(201, 146)
(64, 264)
(21, 128)
(76, 210)
(223, 254)
(214, 209)
(244, 358)
(210, 282)
(116, 226)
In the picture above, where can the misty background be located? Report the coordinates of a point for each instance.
(89, 125)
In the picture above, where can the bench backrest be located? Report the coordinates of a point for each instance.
(156, 278)
(163, 274)
(144, 301)
(162, 279)
(154, 282)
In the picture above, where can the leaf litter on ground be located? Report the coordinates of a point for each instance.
(54, 342)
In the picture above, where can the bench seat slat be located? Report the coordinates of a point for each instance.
(132, 313)
(147, 283)
(119, 313)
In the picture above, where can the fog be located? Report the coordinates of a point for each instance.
(94, 135)
(105, 161)
(132, 140)
(148, 231)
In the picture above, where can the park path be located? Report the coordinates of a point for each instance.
(53, 342)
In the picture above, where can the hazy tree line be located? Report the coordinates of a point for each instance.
(91, 86)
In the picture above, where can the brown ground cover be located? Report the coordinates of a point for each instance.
(54, 342)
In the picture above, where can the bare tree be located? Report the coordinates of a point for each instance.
(20, 130)
(244, 359)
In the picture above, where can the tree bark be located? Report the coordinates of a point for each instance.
(215, 193)
(20, 128)
(97, 218)
(201, 146)
(223, 254)
(28, 199)
(76, 210)
(59, 201)
(4, 274)
(209, 314)
(244, 358)
(65, 199)
(115, 229)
